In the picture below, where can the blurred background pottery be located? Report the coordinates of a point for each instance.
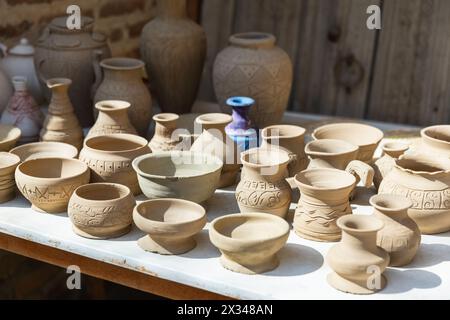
(391, 152)
(9, 135)
(37, 150)
(240, 129)
(8, 164)
(436, 140)
(6, 90)
(164, 138)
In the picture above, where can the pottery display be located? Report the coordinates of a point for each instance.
(164, 138)
(241, 129)
(48, 183)
(170, 225)
(291, 139)
(23, 112)
(9, 135)
(436, 140)
(112, 118)
(69, 53)
(110, 156)
(253, 66)
(400, 236)
(61, 124)
(121, 79)
(174, 50)
(263, 186)
(101, 210)
(214, 140)
(8, 164)
(249, 242)
(364, 136)
(391, 152)
(6, 89)
(37, 150)
(186, 175)
(357, 263)
(425, 180)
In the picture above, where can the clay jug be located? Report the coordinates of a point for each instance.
(254, 66)
(391, 152)
(62, 52)
(241, 129)
(122, 80)
(357, 263)
(174, 50)
(400, 236)
(61, 124)
(6, 90)
(164, 138)
(263, 186)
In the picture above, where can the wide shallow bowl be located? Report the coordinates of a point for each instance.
(170, 224)
(36, 150)
(249, 242)
(9, 135)
(48, 183)
(101, 210)
(8, 164)
(178, 174)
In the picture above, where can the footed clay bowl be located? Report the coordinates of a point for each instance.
(170, 224)
(249, 242)
(101, 210)
(9, 135)
(8, 164)
(178, 174)
(48, 183)
(364, 136)
(38, 150)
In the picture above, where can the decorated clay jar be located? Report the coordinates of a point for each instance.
(164, 138)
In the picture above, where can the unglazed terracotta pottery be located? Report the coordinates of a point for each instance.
(101, 210)
(215, 141)
(164, 138)
(170, 224)
(64, 53)
(425, 180)
(186, 128)
(8, 164)
(112, 118)
(364, 136)
(186, 175)
(356, 261)
(263, 186)
(391, 152)
(6, 89)
(9, 135)
(436, 140)
(37, 150)
(61, 124)
(324, 197)
(241, 129)
(253, 66)
(48, 183)
(174, 50)
(291, 139)
(110, 156)
(249, 242)
(400, 236)
(122, 80)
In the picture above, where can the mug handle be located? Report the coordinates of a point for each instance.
(362, 172)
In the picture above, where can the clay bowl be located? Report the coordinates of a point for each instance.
(178, 174)
(101, 210)
(170, 224)
(249, 242)
(437, 138)
(9, 135)
(331, 153)
(8, 164)
(364, 136)
(48, 183)
(38, 150)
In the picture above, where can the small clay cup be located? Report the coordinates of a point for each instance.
(8, 164)
(36, 150)
(9, 135)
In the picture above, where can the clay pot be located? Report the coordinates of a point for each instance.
(112, 118)
(400, 236)
(174, 50)
(214, 141)
(110, 156)
(291, 139)
(8, 164)
(48, 183)
(324, 197)
(37, 150)
(178, 174)
(6, 90)
(241, 129)
(170, 224)
(391, 152)
(436, 140)
(425, 180)
(122, 80)
(263, 186)
(356, 261)
(253, 66)
(364, 136)
(249, 242)
(101, 210)
(9, 135)
(64, 53)
(164, 138)
(61, 124)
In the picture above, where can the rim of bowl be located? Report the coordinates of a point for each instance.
(424, 133)
(321, 170)
(351, 147)
(274, 150)
(19, 168)
(342, 221)
(400, 202)
(107, 184)
(14, 133)
(297, 131)
(15, 158)
(137, 139)
(438, 162)
(67, 147)
(378, 133)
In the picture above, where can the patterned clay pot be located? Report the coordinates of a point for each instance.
(164, 138)
(391, 152)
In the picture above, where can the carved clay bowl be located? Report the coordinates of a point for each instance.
(9, 135)
(8, 164)
(48, 183)
(170, 224)
(249, 242)
(38, 150)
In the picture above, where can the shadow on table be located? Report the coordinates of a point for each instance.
(221, 204)
(430, 254)
(362, 196)
(204, 248)
(400, 281)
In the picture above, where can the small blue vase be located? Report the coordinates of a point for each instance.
(240, 129)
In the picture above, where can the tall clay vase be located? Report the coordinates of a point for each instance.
(391, 152)
(61, 124)
(164, 138)
(253, 66)
(122, 80)
(241, 129)
(400, 236)
(174, 50)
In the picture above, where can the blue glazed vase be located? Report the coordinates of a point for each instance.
(240, 129)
